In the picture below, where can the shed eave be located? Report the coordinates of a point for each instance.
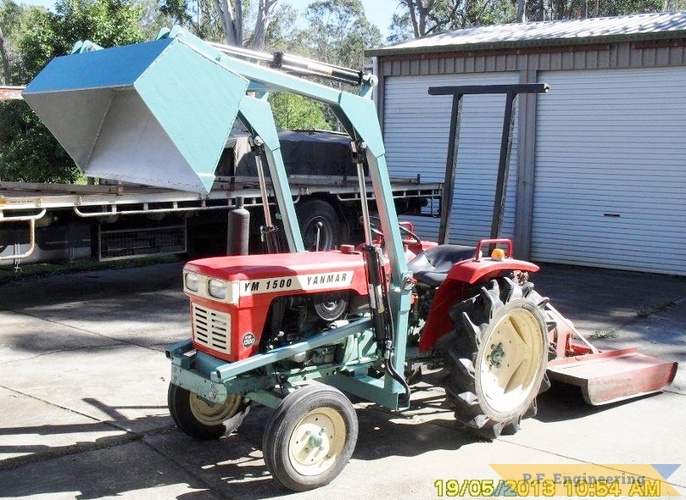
(676, 35)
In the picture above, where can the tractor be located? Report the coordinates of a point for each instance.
(300, 330)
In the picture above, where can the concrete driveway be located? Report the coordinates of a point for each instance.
(83, 383)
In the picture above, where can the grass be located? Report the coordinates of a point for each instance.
(606, 333)
(647, 311)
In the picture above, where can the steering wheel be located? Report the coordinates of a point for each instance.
(408, 237)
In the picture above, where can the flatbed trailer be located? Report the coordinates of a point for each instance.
(64, 222)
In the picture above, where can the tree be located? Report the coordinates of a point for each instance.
(295, 112)
(7, 75)
(11, 16)
(420, 18)
(264, 15)
(200, 17)
(283, 34)
(152, 19)
(28, 152)
(215, 19)
(549, 10)
(47, 34)
(338, 32)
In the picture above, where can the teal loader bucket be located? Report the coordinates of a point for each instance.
(156, 113)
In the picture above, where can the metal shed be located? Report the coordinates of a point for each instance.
(598, 166)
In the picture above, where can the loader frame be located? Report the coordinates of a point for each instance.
(357, 114)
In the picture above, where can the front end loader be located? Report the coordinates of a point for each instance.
(297, 330)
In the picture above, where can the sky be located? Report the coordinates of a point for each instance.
(379, 12)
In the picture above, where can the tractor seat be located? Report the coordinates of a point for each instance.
(432, 266)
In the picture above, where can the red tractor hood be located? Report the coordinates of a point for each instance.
(287, 272)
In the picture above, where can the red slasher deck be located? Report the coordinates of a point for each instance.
(609, 376)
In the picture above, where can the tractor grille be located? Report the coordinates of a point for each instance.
(212, 329)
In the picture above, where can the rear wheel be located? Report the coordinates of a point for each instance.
(310, 437)
(496, 356)
(202, 419)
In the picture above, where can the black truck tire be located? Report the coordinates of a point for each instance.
(314, 213)
(496, 358)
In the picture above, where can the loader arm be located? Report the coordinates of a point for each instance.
(358, 116)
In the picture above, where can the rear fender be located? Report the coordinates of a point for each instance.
(438, 323)
(455, 289)
(473, 271)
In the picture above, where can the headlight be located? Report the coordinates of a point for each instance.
(217, 289)
(192, 282)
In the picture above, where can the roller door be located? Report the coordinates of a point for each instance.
(610, 181)
(416, 128)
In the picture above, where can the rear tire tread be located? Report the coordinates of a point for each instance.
(461, 348)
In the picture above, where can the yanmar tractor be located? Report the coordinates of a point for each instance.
(298, 330)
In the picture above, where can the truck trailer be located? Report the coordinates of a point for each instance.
(108, 220)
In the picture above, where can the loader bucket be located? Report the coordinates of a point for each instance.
(610, 376)
(155, 113)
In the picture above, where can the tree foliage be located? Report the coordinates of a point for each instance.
(294, 112)
(152, 19)
(547, 10)
(283, 33)
(420, 18)
(200, 17)
(227, 20)
(28, 152)
(10, 25)
(105, 22)
(338, 32)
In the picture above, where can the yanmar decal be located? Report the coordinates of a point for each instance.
(305, 282)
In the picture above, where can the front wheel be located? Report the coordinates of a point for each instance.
(202, 419)
(496, 356)
(310, 437)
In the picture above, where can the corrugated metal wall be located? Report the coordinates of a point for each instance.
(597, 56)
(609, 138)
(416, 127)
(610, 179)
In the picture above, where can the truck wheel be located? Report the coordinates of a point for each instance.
(496, 356)
(203, 420)
(318, 215)
(310, 437)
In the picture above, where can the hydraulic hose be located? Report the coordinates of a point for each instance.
(381, 317)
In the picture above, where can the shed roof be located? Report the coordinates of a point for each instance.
(662, 25)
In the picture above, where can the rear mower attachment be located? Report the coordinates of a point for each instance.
(604, 376)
